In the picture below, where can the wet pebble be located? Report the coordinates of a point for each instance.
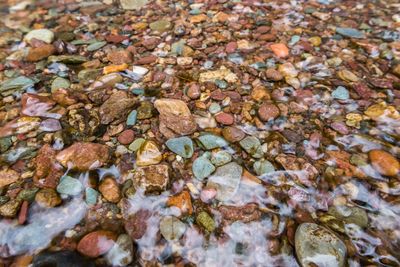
(96, 243)
(69, 186)
(384, 162)
(110, 190)
(226, 180)
(317, 245)
(183, 146)
(172, 228)
(202, 168)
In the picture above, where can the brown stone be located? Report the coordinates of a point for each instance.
(36, 105)
(48, 198)
(48, 170)
(247, 213)
(109, 188)
(84, 156)
(268, 111)
(182, 201)
(96, 243)
(384, 162)
(146, 60)
(116, 107)
(152, 178)
(41, 52)
(136, 224)
(273, 75)
(8, 176)
(120, 57)
(233, 134)
(175, 117)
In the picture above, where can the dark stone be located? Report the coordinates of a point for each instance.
(61, 259)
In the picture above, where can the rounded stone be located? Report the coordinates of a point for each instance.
(126, 137)
(268, 111)
(384, 162)
(316, 245)
(224, 118)
(172, 228)
(96, 243)
(44, 35)
(48, 198)
(233, 134)
(109, 188)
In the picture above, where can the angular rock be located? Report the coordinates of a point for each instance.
(175, 117)
(172, 228)
(8, 176)
(115, 107)
(47, 170)
(148, 154)
(84, 156)
(183, 146)
(202, 168)
(152, 178)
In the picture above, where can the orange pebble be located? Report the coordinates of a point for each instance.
(280, 50)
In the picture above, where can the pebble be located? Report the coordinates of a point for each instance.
(202, 168)
(47, 198)
(384, 162)
(96, 243)
(233, 134)
(62, 258)
(182, 201)
(220, 158)
(262, 167)
(172, 228)
(350, 32)
(175, 117)
(8, 176)
(119, 57)
(115, 107)
(133, 4)
(109, 188)
(160, 26)
(211, 141)
(349, 215)
(135, 145)
(148, 154)
(58, 83)
(252, 145)
(194, 91)
(84, 156)
(268, 112)
(152, 178)
(41, 52)
(224, 118)
(273, 75)
(91, 196)
(206, 221)
(317, 245)
(226, 180)
(126, 137)
(122, 253)
(10, 209)
(44, 35)
(183, 146)
(69, 186)
(280, 50)
(340, 93)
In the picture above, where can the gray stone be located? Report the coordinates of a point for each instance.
(316, 244)
(350, 215)
(226, 180)
(211, 141)
(172, 228)
(121, 254)
(133, 4)
(202, 168)
(220, 158)
(44, 35)
(350, 32)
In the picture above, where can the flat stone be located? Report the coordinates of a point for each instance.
(160, 26)
(202, 168)
(341, 93)
(60, 82)
(69, 186)
(153, 179)
(48, 198)
(252, 145)
(109, 188)
(226, 180)
(233, 134)
(126, 137)
(133, 4)
(384, 162)
(8, 176)
(220, 158)
(115, 107)
(211, 141)
(39, 53)
(183, 146)
(317, 245)
(44, 35)
(206, 221)
(19, 83)
(96, 243)
(172, 228)
(132, 116)
(221, 74)
(350, 32)
(350, 215)
(84, 156)
(263, 167)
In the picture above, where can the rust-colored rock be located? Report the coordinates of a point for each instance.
(109, 188)
(8, 176)
(48, 170)
(116, 107)
(84, 156)
(96, 243)
(182, 201)
(152, 178)
(41, 52)
(268, 111)
(384, 162)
